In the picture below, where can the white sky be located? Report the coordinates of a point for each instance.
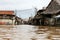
(22, 4)
(25, 14)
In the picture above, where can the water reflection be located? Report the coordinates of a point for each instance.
(29, 32)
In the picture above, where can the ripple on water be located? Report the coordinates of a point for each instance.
(29, 32)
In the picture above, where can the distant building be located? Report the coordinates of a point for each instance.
(7, 17)
(38, 17)
(18, 21)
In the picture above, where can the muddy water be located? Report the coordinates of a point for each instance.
(29, 32)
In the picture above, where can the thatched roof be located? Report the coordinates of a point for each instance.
(53, 7)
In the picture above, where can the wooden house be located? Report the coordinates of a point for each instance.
(7, 17)
(38, 17)
(52, 10)
(46, 16)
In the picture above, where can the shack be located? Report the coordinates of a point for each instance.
(18, 20)
(38, 19)
(52, 10)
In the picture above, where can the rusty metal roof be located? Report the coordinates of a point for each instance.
(7, 12)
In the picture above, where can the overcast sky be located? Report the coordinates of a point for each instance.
(25, 14)
(22, 4)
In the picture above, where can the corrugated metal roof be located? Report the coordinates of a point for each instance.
(53, 7)
(53, 12)
(7, 12)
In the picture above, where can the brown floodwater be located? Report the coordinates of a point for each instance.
(29, 32)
